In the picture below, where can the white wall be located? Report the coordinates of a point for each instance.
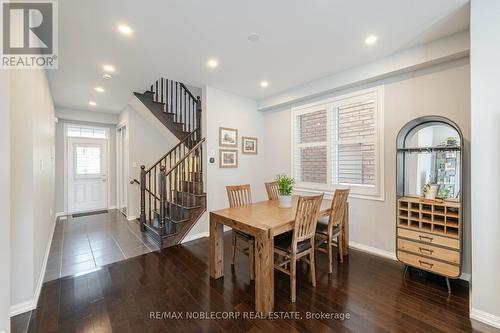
(439, 90)
(147, 143)
(485, 175)
(224, 109)
(32, 172)
(5, 201)
(86, 116)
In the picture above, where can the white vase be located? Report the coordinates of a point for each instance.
(285, 201)
(432, 192)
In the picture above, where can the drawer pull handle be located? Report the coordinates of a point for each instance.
(425, 263)
(424, 250)
(427, 238)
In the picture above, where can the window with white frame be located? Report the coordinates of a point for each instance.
(86, 132)
(338, 143)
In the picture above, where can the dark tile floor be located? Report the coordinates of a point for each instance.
(85, 243)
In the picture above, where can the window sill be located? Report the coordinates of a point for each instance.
(353, 195)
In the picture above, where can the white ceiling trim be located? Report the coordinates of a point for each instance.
(445, 49)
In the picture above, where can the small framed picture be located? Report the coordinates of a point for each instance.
(228, 158)
(248, 145)
(228, 137)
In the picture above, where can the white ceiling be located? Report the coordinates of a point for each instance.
(300, 40)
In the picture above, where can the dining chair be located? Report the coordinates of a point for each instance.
(299, 243)
(241, 195)
(272, 190)
(330, 228)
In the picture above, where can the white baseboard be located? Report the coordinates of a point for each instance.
(112, 207)
(31, 304)
(61, 214)
(22, 307)
(485, 317)
(373, 250)
(189, 238)
(131, 218)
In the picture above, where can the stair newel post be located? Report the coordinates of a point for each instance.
(163, 199)
(198, 116)
(143, 197)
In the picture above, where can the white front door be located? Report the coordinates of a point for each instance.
(87, 174)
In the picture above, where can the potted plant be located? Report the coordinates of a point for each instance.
(285, 186)
(430, 191)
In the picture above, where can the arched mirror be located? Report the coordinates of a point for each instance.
(430, 154)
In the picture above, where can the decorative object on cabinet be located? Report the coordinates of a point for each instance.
(429, 201)
(228, 158)
(228, 137)
(249, 145)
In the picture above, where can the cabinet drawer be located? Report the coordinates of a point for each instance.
(429, 264)
(451, 256)
(429, 238)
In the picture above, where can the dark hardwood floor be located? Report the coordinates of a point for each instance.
(122, 297)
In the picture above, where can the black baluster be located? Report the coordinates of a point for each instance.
(163, 105)
(143, 197)
(156, 92)
(166, 96)
(154, 182)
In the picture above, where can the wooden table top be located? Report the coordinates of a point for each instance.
(265, 216)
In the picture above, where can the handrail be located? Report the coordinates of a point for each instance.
(184, 157)
(171, 150)
(189, 92)
(136, 181)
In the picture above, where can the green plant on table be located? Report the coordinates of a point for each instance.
(285, 184)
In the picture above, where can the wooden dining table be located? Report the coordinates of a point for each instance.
(264, 220)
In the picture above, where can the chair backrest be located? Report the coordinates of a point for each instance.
(306, 218)
(239, 195)
(273, 191)
(339, 203)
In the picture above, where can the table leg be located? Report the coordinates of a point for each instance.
(216, 248)
(345, 231)
(264, 273)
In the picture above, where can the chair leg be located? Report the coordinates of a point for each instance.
(293, 278)
(340, 245)
(233, 253)
(313, 268)
(251, 259)
(330, 254)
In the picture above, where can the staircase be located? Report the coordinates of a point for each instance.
(172, 195)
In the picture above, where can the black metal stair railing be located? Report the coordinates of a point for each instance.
(178, 101)
(176, 196)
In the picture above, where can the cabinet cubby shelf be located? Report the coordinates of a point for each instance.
(440, 217)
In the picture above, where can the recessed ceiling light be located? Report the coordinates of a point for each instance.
(253, 37)
(99, 89)
(125, 29)
(107, 76)
(108, 68)
(92, 103)
(212, 63)
(371, 39)
(264, 84)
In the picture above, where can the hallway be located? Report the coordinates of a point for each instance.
(82, 244)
